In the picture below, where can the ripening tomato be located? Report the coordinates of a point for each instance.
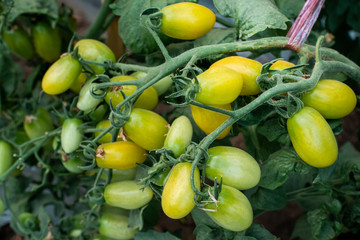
(119, 155)
(333, 99)
(146, 128)
(127, 194)
(116, 226)
(103, 125)
(219, 86)
(179, 135)
(147, 100)
(186, 20)
(78, 83)
(38, 124)
(19, 42)
(6, 157)
(248, 68)
(234, 211)
(61, 75)
(73, 163)
(312, 138)
(160, 86)
(281, 64)
(71, 135)
(236, 167)
(47, 41)
(95, 51)
(177, 199)
(86, 101)
(208, 120)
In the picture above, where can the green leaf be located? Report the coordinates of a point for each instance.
(152, 235)
(259, 232)
(280, 165)
(266, 199)
(302, 230)
(252, 17)
(336, 125)
(256, 116)
(321, 224)
(290, 8)
(273, 129)
(201, 218)
(204, 232)
(136, 219)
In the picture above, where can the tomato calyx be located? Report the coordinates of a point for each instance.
(30, 118)
(100, 152)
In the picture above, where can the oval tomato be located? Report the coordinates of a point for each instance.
(86, 101)
(71, 135)
(103, 125)
(147, 100)
(179, 135)
(160, 86)
(119, 155)
(312, 138)
(61, 75)
(116, 226)
(99, 113)
(236, 167)
(73, 163)
(38, 124)
(47, 41)
(122, 175)
(78, 83)
(2, 207)
(95, 51)
(127, 194)
(333, 99)
(281, 64)
(208, 120)
(248, 68)
(219, 86)
(146, 128)
(177, 199)
(186, 20)
(6, 157)
(19, 42)
(234, 211)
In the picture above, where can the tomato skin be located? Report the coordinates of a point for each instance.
(219, 86)
(95, 51)
(99, 113)
(119, 155)
(72, 164)
(43, 34)
(186, 20)
(116, 226)
(38, 124)
(19, 42)
(71, 135)
(312, 138)
(248, 68)
(234, 210)
(208, 120)
(177, 199)
(102, 125)
(146, 128)
(179, 135)
(86, 102)
(160, 86)
(61, 75)
(161, 177)
(147, 100)
(121, 175)
(6, 157)
(2, 207)
(78, 83)
(332, 98)
(237, 168)
(127, 194)
(281, 64)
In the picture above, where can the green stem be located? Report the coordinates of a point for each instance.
(131, 67)
(96, 28)
(157, 39)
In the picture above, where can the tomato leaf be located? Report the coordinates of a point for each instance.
(265, 199)
(152, 235)
(302, 229)
(274, 129)
(258, 231)
(252, 17)
(290, 8)
(201, 218)
(320, 224)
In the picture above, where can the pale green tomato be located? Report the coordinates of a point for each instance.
(116, 227)
(86, 102)
(71, 135)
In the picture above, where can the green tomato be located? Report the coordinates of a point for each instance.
(99, 113)
(116, 227)
(119, 155)
(47, 41)
(312, 138)
(19, 42)
(219, 86)
(160, 86)
(186, 20)
(234, 211)
(333, 99)
(106, 208)
(179, 135)
(71, 135)
(6, 157)
(146, 128)
(122, 175)
(78, 83)
(127, 194)
(38, 124)
(86, 101)
(177, 199)
(73, 163)
(61, 75)
(2, 207)
(95, 51)
(236, 167)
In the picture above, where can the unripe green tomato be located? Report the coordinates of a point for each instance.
(234, 211)
(106, 208)
(2, 207)
(116, 227)
(161, 177)
(78, 83)
(248, 68)
(73, 163)
(147, 100)
(86, 101)
(71, 135)
(236, 167)
(127, 194)
(61, 75)
(186, 20)
(281, 64)
(219, 86)
(160, 86)
(179, 135)
(95, 51)
(119, 155)
(21, 137)
(6, 157)
(312, 138)
(146, 128)
(19, 42)
(99, 113)
(38, 124)
(208, 120)
(333, 99)
(177, 199)
(103, 125)
(122, 175)
(47, 41)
